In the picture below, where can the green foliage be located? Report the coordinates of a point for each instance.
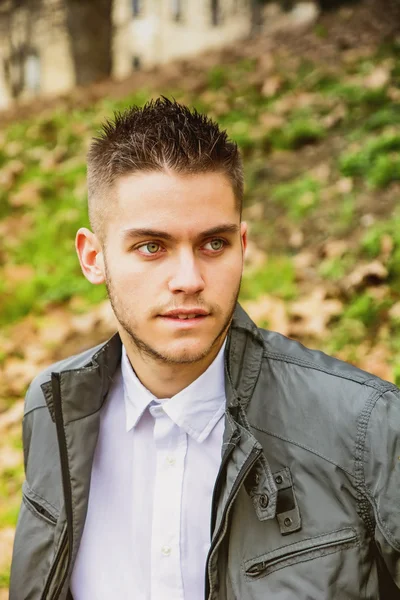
(299, 196)
(383, 117)
(297, 132)
(4, 579)
(276, 277)
(376, 160)
(363, 308)
(357, 95)
(217, 77)
(337, 267)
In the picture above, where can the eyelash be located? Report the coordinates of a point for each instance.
(224, 245)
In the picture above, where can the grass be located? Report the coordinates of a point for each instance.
(376, 160)
(277, 277)
(299, 196)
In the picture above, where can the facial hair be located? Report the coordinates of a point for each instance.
(145, 349)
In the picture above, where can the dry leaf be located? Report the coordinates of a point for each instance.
(296, 238)
(254, 256)
(9, 173)
(387, 246)
(271, 86)
(379, 77)
(271, 310)
(271, 121)
(335, 248)
(345, 185)
(13, 416)
(394, 312)
(6, 546)
(17, 375)
(376, 361)
(27, 195)
(313, 313)
(17, 273)
(365, 274)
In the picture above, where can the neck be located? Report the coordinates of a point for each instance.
(162, 379)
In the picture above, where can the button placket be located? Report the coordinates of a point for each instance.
(166, 523)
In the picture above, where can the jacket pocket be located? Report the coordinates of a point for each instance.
(300, 551)
(38, 506)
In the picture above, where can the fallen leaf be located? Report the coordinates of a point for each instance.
(10, 172)
(296, 238)
(17, 273)
(335, 248)
(394, 312)
(377, 362)
(387, 246)
(271, 86)
(6, 545)
(13, 416)
(270, 121)
(254, 256)
(364, 275)
(313, 313)
(379, 77)
(345, 185)
(27, 195)
(270, 310)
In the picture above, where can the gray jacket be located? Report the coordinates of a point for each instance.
(306, 504)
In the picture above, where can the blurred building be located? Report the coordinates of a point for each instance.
(36, 57)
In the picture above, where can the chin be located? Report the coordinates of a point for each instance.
(187, 352)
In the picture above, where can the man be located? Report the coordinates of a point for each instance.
(194, 455)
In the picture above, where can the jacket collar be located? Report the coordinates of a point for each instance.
(243, 356)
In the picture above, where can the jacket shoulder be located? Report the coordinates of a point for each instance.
(279, 347)
(34, 396)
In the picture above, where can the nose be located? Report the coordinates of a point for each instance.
(186, 277)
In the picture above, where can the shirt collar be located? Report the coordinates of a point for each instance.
(196, 409)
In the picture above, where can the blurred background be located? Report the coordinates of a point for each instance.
(311, 92)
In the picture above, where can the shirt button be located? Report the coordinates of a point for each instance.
(170, 461)
(166, 550)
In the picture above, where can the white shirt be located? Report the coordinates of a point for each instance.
(147, 531)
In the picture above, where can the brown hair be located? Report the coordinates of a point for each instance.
(162, 134)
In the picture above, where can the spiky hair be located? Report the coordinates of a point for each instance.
(161, 135)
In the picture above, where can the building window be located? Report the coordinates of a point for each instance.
(136, 62)
(32, 72)
(215, 12)
(176, 9)
(137, 7)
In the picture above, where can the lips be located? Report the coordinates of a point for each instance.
(185, 313)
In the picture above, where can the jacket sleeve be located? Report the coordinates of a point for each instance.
(382, 478)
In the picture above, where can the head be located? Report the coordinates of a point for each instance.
(165, 189)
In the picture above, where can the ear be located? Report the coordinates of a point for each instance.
(90, 256)
(243, 235)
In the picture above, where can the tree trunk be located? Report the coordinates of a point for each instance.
(90, 30)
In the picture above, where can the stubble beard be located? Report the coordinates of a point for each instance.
(146, 350)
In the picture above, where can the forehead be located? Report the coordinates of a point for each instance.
(170, 200)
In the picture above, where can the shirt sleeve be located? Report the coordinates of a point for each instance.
(382, 478)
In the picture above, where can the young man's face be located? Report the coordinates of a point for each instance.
(174, 247)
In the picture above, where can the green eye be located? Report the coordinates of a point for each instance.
(216, 245)
(152, 248)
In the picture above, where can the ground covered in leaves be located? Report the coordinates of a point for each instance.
(318, 120)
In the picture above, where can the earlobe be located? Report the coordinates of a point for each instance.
(90, 255)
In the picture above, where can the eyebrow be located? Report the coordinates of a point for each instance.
(143, 232)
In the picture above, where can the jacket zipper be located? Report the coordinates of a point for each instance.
(67, 534)
(41, 510)
(345, 537)
(225, 517)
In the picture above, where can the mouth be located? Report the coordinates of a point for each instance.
(184, 317)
